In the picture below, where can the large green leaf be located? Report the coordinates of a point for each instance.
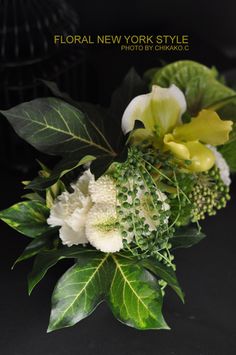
(183, 69)
(165, 273)
(99, 115)
(28, 218)
(131, 86)
(134, 295)
(55, 127)
(54, 89)
(200, 86)
(229, 152)
(47, 259)
(79, 290)
(62, 168)
(131, 291)
(186, 237)
(34, 247)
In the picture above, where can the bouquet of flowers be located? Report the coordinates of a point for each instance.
(132, 185)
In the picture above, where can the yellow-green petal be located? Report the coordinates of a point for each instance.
(206, 127)
(202, 158)
(178, 149)
(160, 111)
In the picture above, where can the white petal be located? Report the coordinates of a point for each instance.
(59, 210)
(103, 190)
(134, 111)
(71, 208)
(161, 108)
(221, 165)
(77, 219)
(83, 182)
(100, 228)
(69, 237)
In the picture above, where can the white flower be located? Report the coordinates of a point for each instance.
(162, 107)
(70, 212)
(84, 213)
(221, 165)
(101, 229)
(103, 190)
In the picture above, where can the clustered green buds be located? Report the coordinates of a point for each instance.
(208, 195)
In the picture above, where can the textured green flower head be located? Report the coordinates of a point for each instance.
(161, 112)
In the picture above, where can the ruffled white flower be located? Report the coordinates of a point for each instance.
(70, 212)
(101, 228)
(221, 165)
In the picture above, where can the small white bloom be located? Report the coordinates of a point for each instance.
(101, 229)
(103, 190)
(221, 165)
(70, 212)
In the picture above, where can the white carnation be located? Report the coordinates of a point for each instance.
(76, 212)
(70, 212)
(221, 165)
(101, 229)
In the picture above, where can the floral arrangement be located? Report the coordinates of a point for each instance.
(133, 183)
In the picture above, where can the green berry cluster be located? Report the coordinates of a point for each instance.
(208, 195)
(143, 210)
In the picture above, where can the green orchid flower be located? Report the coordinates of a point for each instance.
(161, 112)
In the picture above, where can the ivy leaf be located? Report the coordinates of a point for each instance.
(165, 273)
(33, 196)
(134, 295)
(79, 290)
(27, 217)
(47, 259)
(55, 127)
(186, 237)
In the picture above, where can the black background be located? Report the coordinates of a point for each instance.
(205, 325)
